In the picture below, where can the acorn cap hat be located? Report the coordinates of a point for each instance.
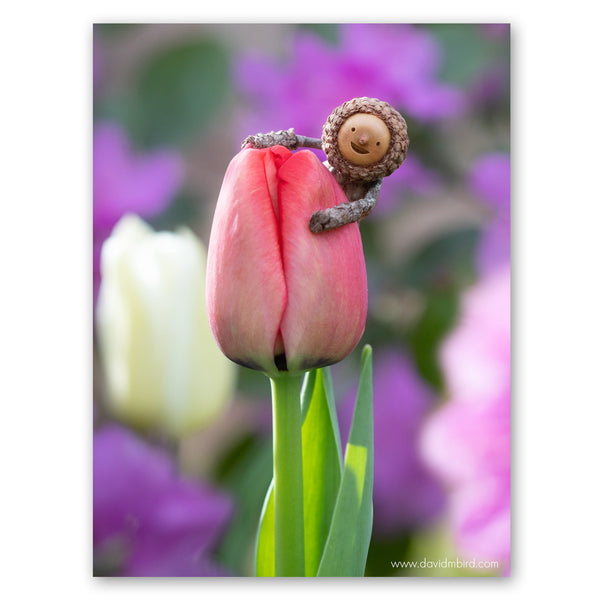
(392, 159)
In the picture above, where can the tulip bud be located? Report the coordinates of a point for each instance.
(279, 297)
(163, 369)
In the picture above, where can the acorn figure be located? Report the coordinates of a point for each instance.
(365, 140)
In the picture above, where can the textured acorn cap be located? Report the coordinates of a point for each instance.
(393, 158)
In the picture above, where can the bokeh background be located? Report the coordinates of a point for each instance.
(171, 106)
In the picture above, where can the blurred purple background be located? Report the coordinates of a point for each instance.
(171, 106)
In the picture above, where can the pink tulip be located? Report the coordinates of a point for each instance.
(280, 297)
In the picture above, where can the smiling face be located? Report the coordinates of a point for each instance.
(363, 139)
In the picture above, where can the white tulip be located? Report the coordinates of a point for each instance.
(163, 369)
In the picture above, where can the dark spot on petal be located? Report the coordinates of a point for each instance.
(281, 362)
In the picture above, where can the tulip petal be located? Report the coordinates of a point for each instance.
(325, 273)
(163, 369)
(246, 292)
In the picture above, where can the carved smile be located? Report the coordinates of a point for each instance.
(358, 149)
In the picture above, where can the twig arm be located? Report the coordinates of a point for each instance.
(286, 138)
(347, 212)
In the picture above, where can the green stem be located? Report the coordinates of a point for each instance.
(287, 476)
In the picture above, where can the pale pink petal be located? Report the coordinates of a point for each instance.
(325, 273)
(246, 293)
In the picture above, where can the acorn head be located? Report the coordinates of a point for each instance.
(365, 139)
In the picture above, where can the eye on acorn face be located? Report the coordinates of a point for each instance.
(363, 139)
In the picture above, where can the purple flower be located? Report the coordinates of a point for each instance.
(155, 522)
(405, 494)
(396, 63)
(468, 441)
(489, 181)
(126, 182)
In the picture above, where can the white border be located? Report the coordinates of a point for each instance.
(45, 312)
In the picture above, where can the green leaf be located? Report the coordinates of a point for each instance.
(338, 510)
(347, 545)
(179, 93)
(322, 467)
(265, 540)
(321, 464)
